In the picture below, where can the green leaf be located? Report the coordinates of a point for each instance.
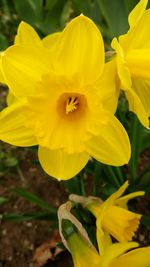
(143, 182)
(50, 3)
(146, 221)
(115, 14)
(84, 7)
(51, 21)
(3, 42)
(34, 199)
(28, 217)
(111, 176)
(146, 140)
(130, 4)
(3, 200)
(73, 185)
(29, 10)
(11, 162)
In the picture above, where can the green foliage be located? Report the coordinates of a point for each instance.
(29, 217)
(3, 200)
(34, 199)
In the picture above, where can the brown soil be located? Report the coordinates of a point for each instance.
(19, 240)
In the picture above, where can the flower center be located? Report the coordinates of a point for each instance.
(71, 104)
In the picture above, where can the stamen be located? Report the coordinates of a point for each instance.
(71, 104)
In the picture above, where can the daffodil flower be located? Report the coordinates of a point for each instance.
(61, 93)
(84, 254)
(112, 216)
(133, 62)
(115, 255)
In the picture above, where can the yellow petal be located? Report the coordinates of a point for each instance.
(122, 69)
(80, 50)
(138, 62)
(83, 255)
(118, 193)
(137, 13)
(27, 35)
(12, 128)
(61, 165)
(23, 66)
(2, 78)
(98, 209)
(112, 146)
(50, 40)
(103, 241)
(10, 98)
(137, 37)
(108, 86)
(122, 201)
(139, 257)
(136, 106)
(142, 90)
(115, 251)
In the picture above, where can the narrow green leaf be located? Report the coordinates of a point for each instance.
(73, 186)
(28, 217)
(34, 199)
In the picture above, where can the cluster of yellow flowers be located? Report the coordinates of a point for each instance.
(63, 95)
(113, 219)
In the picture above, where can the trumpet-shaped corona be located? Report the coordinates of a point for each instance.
(113, 217)
(61, 87)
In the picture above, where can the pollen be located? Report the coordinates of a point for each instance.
(71, 104)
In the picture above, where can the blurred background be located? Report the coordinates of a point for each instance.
(48, 16)
(28, 197)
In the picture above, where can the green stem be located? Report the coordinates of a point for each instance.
(119, 174)
(96, 178)
(110, 173)
(82, 184)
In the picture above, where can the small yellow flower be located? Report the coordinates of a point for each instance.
(61, 88)
(115, 255)
(112, 216)
(133, 62)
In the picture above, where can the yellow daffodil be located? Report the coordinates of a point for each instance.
(115, 255)
(84, 254)
(112, 215)
(133, 62)
(61, 97)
